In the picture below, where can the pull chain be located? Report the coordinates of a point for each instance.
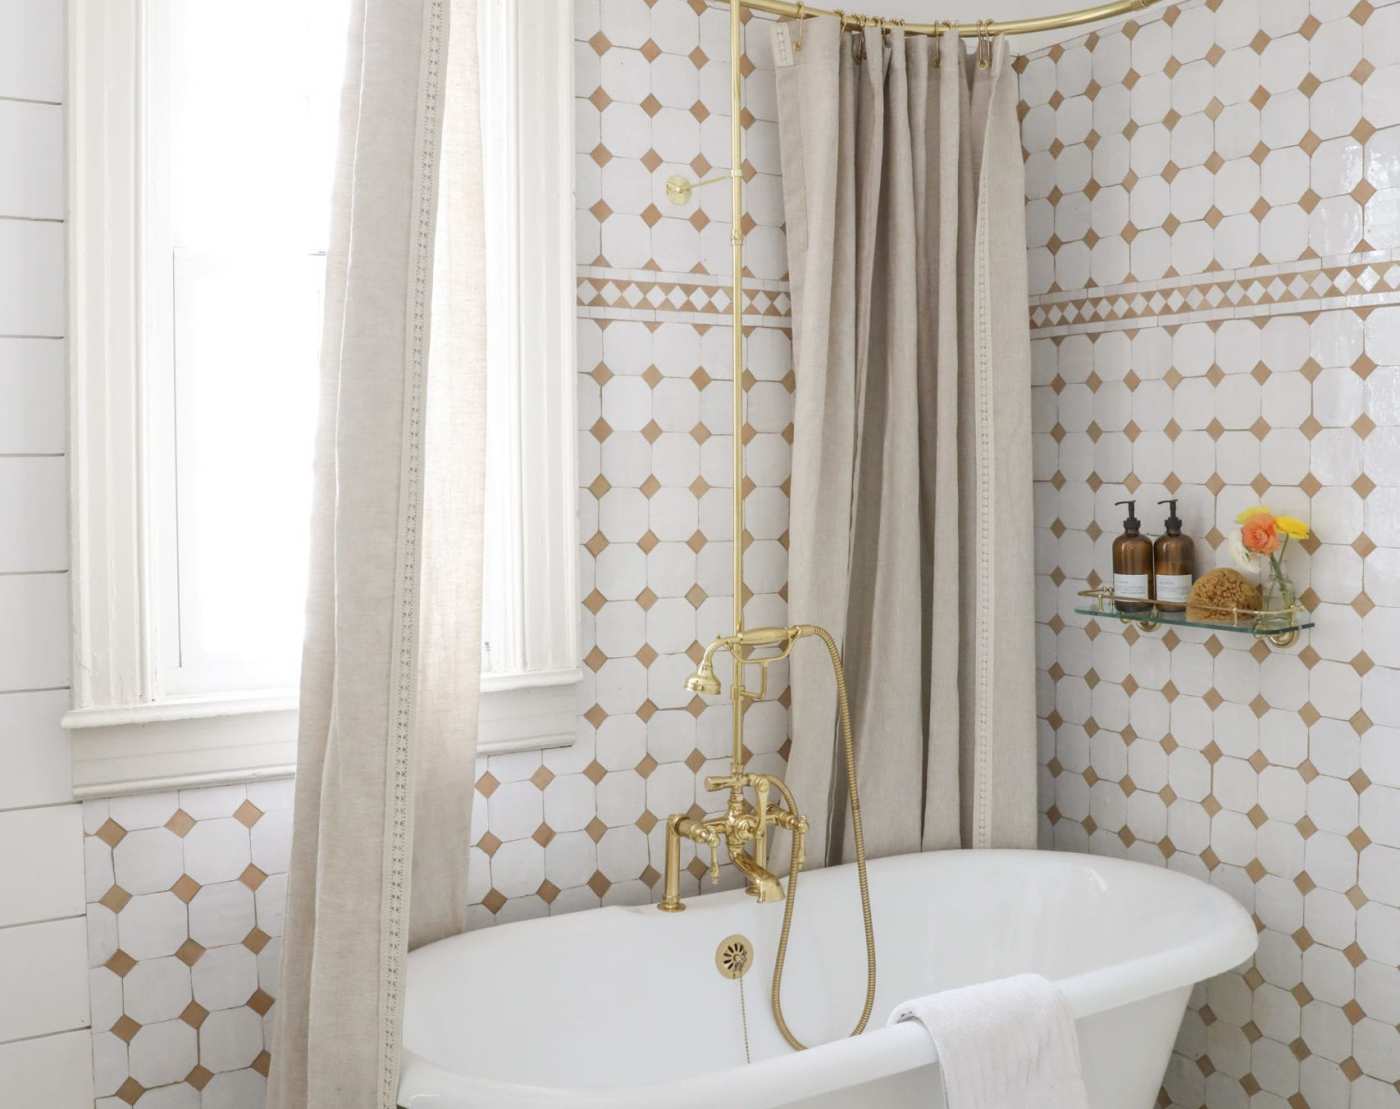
(744, 1020)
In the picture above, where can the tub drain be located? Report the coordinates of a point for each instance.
(734, 956)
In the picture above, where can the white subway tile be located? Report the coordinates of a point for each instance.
(31, 278)
(33, 382)
(41, 856)
(31, 49)
(33, 631)
(31, 160)
(45, 974)
(54, 1071)
(34, 506)
(33, 749)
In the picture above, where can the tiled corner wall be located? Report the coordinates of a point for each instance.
(1214, 217)
(582, 826)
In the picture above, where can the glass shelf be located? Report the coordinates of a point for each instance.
(1279, 626)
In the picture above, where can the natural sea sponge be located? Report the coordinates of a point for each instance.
(1217, 595)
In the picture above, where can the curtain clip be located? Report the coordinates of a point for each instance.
(801, 26)
(984, 44)
(858, 46)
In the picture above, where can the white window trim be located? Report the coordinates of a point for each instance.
(125, 738)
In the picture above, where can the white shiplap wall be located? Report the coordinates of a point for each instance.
(45, 1053)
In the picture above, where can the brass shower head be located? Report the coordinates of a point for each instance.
(704, 680)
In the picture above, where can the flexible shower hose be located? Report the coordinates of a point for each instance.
(848, 750)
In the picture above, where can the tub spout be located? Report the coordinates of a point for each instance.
(762, 883)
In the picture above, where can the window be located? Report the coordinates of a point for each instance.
(200, 197)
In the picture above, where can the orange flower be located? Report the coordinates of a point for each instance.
(1259, 533)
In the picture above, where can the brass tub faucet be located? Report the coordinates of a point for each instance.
(744, 825)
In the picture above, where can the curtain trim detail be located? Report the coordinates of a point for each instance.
(398, 810)
(984, 663)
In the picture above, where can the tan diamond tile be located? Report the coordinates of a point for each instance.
(120, 963)
(111, 833)
(541, 778)
(247, 814)
(186, 887)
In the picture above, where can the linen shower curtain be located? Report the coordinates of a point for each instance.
(911, 527)
(390, 668)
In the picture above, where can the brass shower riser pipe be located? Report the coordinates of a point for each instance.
(1078, 18)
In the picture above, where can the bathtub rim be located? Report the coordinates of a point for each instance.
(880, 1052)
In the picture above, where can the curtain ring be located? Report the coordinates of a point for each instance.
(801, 26)
(984, 44)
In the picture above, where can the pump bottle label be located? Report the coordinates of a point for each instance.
(1173, 587)
(1130, 585)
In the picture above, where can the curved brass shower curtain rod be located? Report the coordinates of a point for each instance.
(967, 30)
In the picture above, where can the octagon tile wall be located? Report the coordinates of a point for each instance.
(1214, 221)
(584, 826)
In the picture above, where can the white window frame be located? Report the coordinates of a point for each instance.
(127, 737)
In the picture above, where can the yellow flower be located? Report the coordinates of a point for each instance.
(1248, 512)
(1291, 526)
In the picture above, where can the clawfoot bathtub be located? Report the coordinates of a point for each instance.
(624, 1007)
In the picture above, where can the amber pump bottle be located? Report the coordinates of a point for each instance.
(1132, 564)
(1174, 561)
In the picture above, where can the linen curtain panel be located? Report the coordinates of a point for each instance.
(390, 667)
(911, 528)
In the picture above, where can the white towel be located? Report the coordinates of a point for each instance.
(1008, 1044)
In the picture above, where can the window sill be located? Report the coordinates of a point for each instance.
(180, 744)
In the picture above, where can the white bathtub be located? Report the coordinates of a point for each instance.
(624, 1007)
